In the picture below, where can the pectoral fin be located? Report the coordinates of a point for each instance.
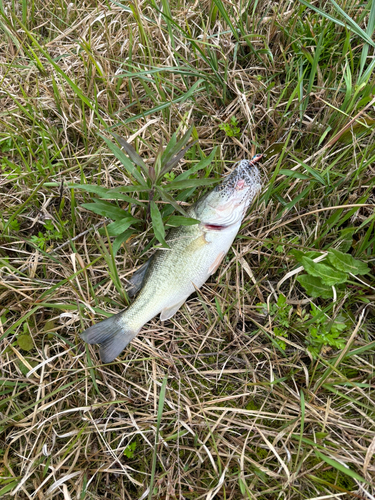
(197, 244)
(168, 312)
(213, 268)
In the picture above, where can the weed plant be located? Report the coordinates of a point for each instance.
(261, 386)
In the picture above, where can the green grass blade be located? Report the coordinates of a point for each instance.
(339, 466)
(354, 26)
(219, 4)
(349, 21)
(184, 97)
(314, 67)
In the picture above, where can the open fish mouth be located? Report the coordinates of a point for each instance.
(215, 227)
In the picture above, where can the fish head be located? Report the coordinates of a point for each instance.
(227, 203)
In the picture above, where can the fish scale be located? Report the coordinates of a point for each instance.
(195, 253)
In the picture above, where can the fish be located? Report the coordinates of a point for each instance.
(195, 252)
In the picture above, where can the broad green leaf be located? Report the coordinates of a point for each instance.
(25, 342)
(168, 152)
(328, 275)
(175, 147)
(178, 220)
(120, 240)
(339, 466)
(108, 194)
(168, 198)
(131, 189)
(345, 262)
(130, 449)
(199, 166)
(281, 300)
(120, 155)
(298, 254)
(118, 227)
(173, 162)
(133, 155)
(157, 223)
(90, 188)
(315, 287)
(106, 209)
(115, 195)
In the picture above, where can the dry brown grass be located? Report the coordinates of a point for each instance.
(242, 417)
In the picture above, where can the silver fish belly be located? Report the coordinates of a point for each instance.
(195, 254)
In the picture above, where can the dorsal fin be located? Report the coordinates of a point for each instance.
(136, 281)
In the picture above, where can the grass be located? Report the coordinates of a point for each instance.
(261, 386)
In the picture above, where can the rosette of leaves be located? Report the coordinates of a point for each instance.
(231, 129)
(281, 314)
(154, 183)
(323, 331)
(334, 271)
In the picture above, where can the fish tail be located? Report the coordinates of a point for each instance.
(112, 335)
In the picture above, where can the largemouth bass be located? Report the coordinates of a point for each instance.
(196, 251)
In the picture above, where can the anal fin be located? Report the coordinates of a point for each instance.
(168, 312)
(214, 266)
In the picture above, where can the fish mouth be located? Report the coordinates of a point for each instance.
(215, 227)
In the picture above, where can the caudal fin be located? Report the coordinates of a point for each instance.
(112, 335)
